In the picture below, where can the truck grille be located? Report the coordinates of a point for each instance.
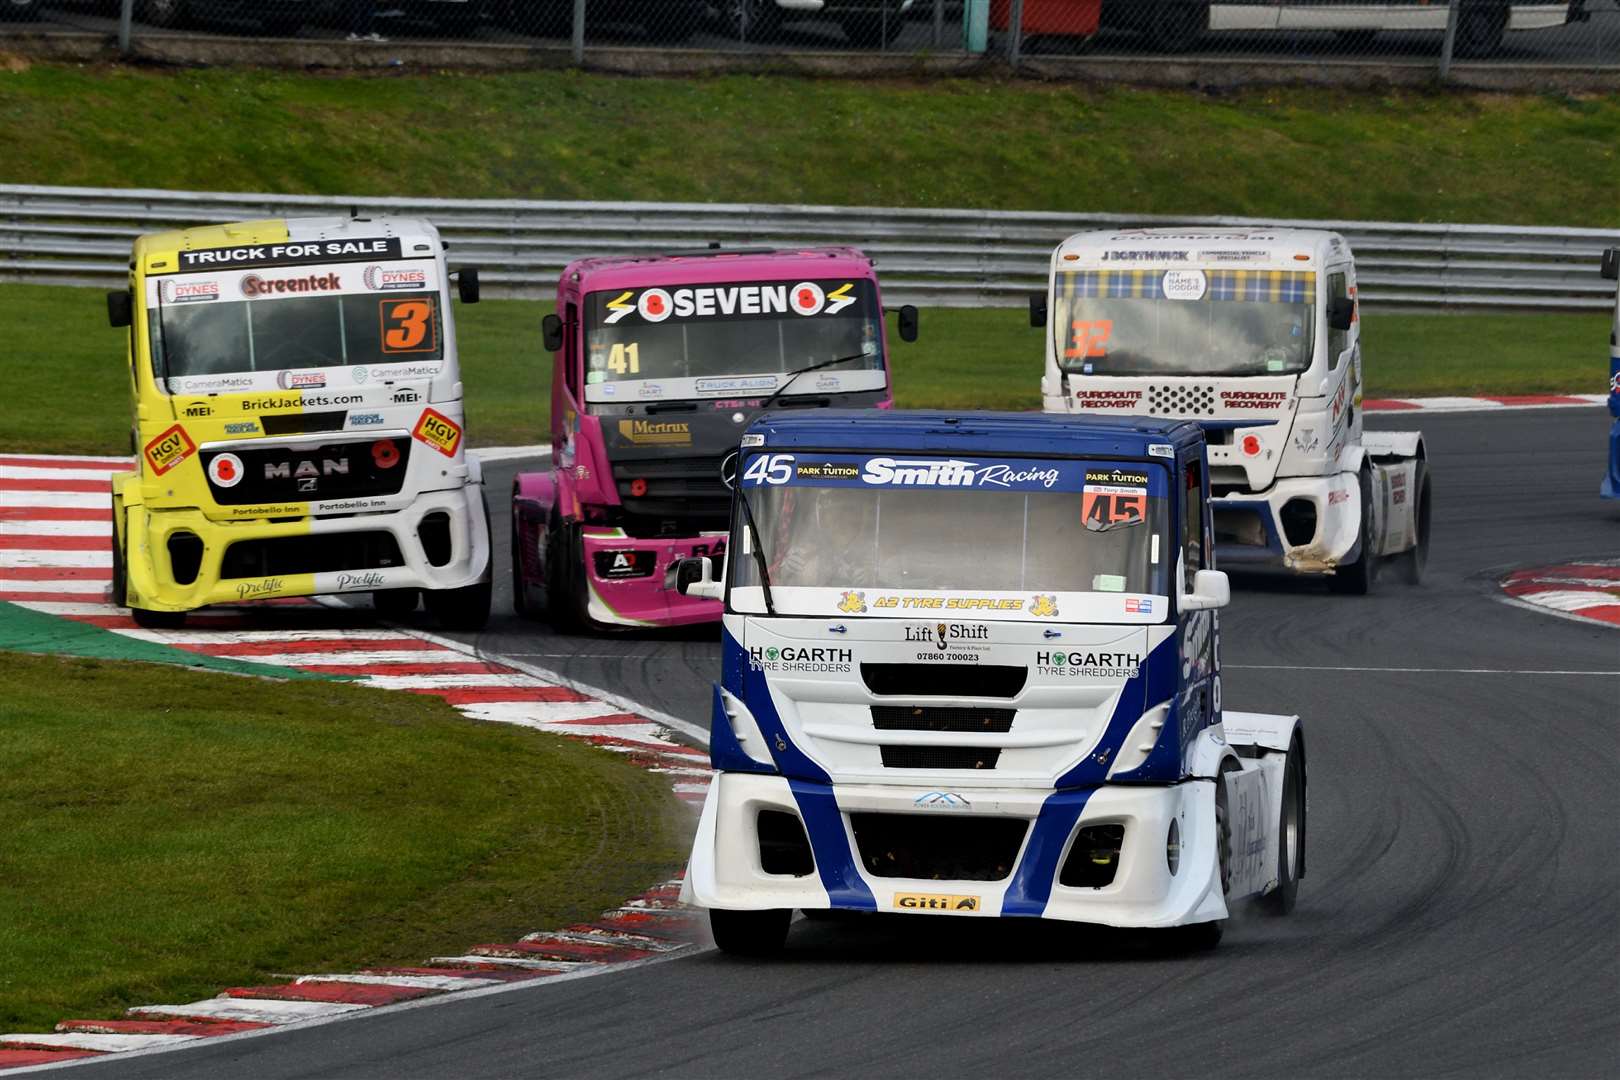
(1181, 400)
(337, 470)
(941, 718)
(948, 848)
(940, 757)
(685, 488)
(314, 554)
(944, 680)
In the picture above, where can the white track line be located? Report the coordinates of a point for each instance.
(449, 983)
(54, 585)
(360, 659)
(450, 682)
(544, 714)
(47, 558)
(1418, 670)
(36, 472)
(55, 528)
(256, 1010)
(75, 500)
(85, 1040)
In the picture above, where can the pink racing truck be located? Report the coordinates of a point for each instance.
(662, 361)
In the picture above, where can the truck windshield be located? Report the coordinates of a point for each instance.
(293, 319)
(725, 340)
(1184, 322)
(1007, 539)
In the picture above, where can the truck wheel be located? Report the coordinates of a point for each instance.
(395, 603)
(119, 596)
(1176, 25)
(1412, 562)
(1201, 937)
(147, 619)
(523, 601)
(1356, 579)
(466, 608)
(566, 589)
(750, 933)
(1290, 835)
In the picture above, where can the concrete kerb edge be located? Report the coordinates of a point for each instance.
(374, 1010)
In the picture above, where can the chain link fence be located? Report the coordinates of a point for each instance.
(1432, 34)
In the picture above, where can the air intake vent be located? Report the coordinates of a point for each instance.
(940, 757)
(948, 848)
(303, 423)
(1181, 400)
(941, 718)
(944, 680)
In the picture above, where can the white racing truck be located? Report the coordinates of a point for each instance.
(971, 667)
(1254, 334)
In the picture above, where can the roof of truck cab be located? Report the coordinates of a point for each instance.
(719, 265)
(1201, 247)
(1034, 434)
(156, 246)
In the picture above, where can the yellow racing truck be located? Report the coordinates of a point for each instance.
(297, 424)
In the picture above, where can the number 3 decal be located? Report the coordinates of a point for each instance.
(407, 326)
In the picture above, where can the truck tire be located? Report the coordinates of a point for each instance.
(1480, 27)
(567, 601)
(1290, 835)
(466, 608)
(1176, 25)
(750, 933)
(119, 595)
(1412, 562)
(1356, 579)
(522, 603)
(147, 619)
(395, 603)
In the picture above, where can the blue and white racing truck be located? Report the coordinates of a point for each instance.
(1611, 482)
(971, 666)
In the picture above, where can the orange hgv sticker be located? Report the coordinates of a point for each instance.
(935, 902)
(439, 432)
(169, 449)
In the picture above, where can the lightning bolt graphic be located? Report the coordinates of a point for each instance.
(839, 298)
(620, 307)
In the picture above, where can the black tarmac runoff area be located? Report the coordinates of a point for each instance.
(1460, 916)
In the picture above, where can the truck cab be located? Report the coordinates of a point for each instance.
(971, 666)
(661, 361)
(1254, 334)
(297, 421)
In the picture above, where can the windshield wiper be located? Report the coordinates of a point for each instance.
(780, 390)
(759, 552)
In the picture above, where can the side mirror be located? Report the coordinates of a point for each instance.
(908, 323)
(120, 308)
(1037, 309)
(695, 577)
(467, 284)
(1210, 590)
(1341, 312)
(1610, 268)
(551, 332)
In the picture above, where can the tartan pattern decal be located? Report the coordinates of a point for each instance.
(1253, 286)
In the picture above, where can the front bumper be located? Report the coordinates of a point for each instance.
(1319, 534)
(643, 600)
(726, 868)
(151, 565)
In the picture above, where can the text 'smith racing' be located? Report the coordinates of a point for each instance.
(1256, 336)
(971, 666)
(298, 423)
(660, 361)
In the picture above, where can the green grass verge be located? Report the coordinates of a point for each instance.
(1392, 155)
(169, 833)
(979, 359)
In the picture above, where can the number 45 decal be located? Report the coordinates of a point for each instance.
(407, 326)
(769, 469)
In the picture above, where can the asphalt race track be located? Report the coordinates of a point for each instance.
(1460, 915)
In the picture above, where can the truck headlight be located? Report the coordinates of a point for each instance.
(1172, 847)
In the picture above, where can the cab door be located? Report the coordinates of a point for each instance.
(1343, 353)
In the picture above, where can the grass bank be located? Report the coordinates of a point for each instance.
(1391, 155)
(67, 393)
(169, 833)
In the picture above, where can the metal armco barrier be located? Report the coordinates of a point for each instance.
(954, 258)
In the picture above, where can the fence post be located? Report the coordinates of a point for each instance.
(126, 15)
(1450, 42)
(579, 33)
(1015, 33)
(939, 23)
